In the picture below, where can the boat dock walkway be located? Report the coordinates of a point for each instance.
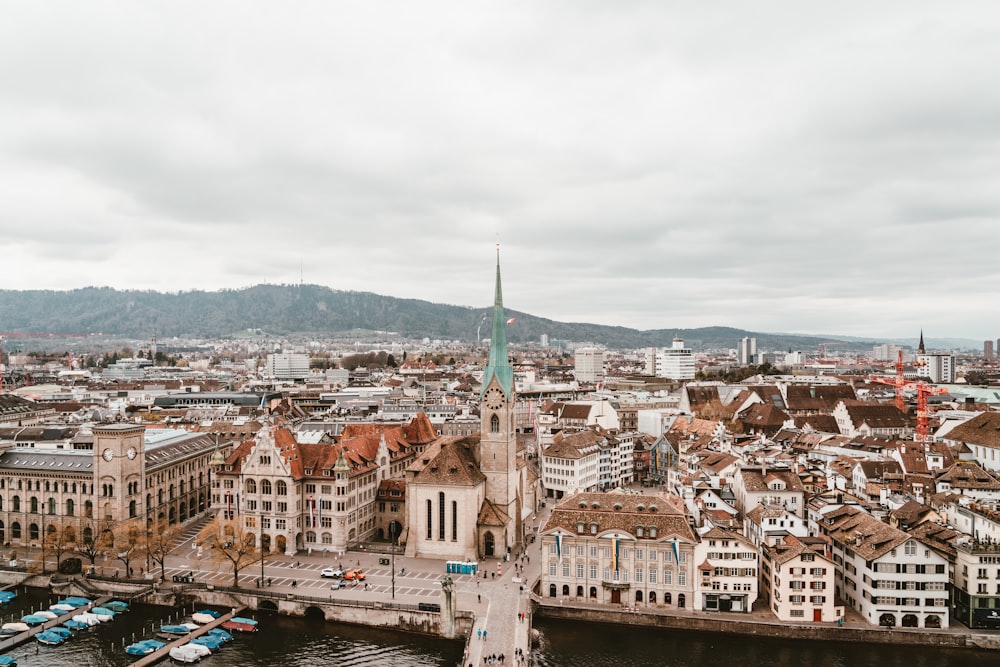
(22, 637)
(162, 653)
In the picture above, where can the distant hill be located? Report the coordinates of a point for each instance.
(284, 310)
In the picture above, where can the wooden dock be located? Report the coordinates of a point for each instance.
(162, 653)
(22, 637)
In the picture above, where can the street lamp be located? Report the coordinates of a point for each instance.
(392, 552)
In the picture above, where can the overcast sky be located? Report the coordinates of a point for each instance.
(812, 167)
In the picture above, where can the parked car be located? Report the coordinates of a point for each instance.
(354, 574)
(336, 585)
(332, 572)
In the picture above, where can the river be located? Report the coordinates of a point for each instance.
(297, 642)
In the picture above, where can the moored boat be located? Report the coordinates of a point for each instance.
(89, 619)
(241, 624)
(201, 618)
(116, 606)
(33, 619)
(212, 643)
(144, 647)
(15, 627)
(186, 653)
(75, 601)
(75, 625)
(7, 596)
(7, 661)
(180, 629)
(49, 638)
(221, 634)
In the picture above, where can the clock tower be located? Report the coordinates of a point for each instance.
(498, 439)
(118, 471)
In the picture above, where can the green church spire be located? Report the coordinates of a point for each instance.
(498, 365)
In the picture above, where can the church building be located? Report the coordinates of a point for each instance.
(465, 494)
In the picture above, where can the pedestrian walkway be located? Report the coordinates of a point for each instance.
(502, 610)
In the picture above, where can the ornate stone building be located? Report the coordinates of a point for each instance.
(127, 473)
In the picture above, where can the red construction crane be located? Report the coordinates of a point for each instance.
(924, 391)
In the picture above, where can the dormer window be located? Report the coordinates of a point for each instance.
(652, 531)
(309, 471)
(638, 531)
(593, 529)
(326, 473)
(579, 526)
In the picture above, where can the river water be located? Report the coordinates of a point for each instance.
(296, 642)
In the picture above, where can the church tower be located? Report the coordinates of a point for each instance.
(498, 440)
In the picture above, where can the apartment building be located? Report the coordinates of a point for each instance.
(797, 580)
(886, 575)
(727, 571)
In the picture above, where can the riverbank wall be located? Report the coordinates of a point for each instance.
(956, 638)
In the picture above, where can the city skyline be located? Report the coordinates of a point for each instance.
(787, 168)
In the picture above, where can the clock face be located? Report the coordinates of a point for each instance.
(494, 399)
(131, 452)
(108, 455)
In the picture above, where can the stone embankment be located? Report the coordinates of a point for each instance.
(959, 637)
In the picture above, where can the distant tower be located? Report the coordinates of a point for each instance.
(920, 346)
(152, 348)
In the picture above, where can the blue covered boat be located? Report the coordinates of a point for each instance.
(50, 638)
(213, 643)
(221, 634)
(5, 597)
(181, 629)
(145, 647)
(75, 601)
(75, 625)
(7, 661)
(34, 619)
(117, 606)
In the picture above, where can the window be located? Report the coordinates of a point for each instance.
(440, 515)
(430, 516)
(494, 424)
(281, 488)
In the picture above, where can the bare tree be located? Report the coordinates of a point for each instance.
(161, 538)
(95, 538)
(127, 543)
(230, 542)
(60, 542)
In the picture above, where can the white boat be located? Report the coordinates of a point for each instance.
(16, 626)
(47, 614)
(186, 653)
(202, 619)
(89, 619)
(61, 608)
(200, 649)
